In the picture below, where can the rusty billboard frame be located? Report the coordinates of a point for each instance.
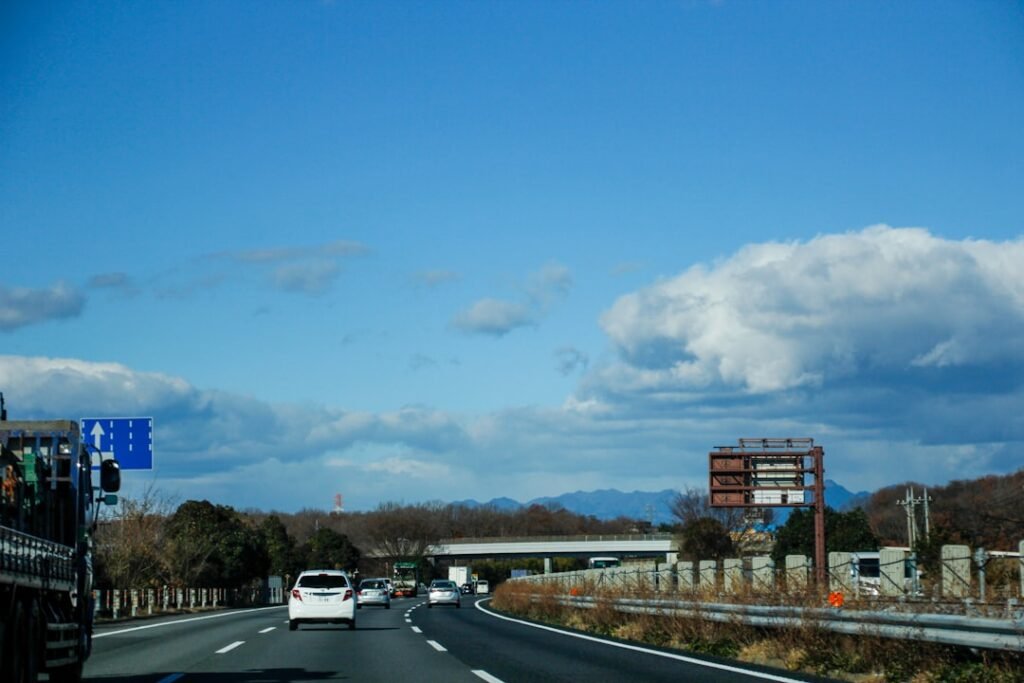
(771, 473)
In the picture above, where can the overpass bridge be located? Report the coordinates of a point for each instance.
(623, 545)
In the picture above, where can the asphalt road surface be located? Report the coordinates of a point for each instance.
(406, 643)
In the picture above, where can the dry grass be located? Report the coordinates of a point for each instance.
(808, 648)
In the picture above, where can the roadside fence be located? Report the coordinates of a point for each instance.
(123, 603)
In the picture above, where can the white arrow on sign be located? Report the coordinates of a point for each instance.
(97, 435)
(97, 432)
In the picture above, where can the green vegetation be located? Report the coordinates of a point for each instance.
(843, 531)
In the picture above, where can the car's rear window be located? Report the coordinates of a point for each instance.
(323, 581)
(372, 584)
(443, 584)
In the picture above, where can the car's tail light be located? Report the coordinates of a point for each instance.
(348, 594)
(296, 594)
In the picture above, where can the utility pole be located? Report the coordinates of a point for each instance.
(910, 503)
(927, 516)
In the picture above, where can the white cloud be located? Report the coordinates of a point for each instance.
(783, 316)
(336, 248)
(309, 270)
(493, 317)
(22, 306)
(435, 278)
(550, 283)
(314, 276)
(498, 317)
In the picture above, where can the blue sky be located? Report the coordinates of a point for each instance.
(435, 251)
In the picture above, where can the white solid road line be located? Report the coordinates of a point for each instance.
(637, 648)
(480, 673)
(229, 648)
(183, 621)
(268, 629)
(437, 646)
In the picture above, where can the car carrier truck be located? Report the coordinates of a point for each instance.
(48, 509)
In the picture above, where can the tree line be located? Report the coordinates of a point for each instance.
(153, 542)
(150, 541)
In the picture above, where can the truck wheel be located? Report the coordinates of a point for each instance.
(352, 624)
(20, 658)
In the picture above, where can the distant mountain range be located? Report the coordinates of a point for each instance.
(655, 506)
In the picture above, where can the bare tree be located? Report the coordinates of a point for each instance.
(131, 546)
(692, 504)
(404, 532)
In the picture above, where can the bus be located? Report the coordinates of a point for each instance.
(603, 562)
(407, 579)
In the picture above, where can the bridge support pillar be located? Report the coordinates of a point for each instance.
(547, 565)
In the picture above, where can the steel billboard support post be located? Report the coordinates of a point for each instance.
(820, 573)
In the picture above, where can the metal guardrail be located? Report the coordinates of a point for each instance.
(994, 634)
(28, 560)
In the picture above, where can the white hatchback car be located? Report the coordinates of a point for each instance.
(323, 595)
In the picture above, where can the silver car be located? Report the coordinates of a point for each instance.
(373, 592)
(443, 592)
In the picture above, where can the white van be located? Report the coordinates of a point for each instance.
(482, 587)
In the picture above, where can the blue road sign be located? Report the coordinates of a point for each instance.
(129, 439)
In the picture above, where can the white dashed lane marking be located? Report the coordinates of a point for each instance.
(480, 673)
(229, 648)
(268, 630)
(416, 629)
(437, 646)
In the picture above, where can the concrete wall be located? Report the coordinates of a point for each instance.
(707, 575)
(892, 571)
(732, 575)
(797, 568)
(840, 572)
(763, 571)
(956, 571)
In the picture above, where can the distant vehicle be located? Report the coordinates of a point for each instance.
(461, 576)
(373, 592)
(603, 562)
(391, 586)
(483, 587)
(442, 592)
(866, 572)
(467, 589)
(407, 579)
(322, 595)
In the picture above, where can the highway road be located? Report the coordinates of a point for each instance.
(406, 643)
